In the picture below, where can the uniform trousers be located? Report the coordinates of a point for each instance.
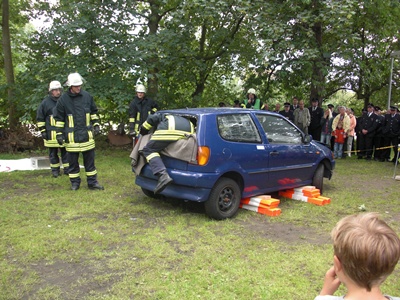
(151, 152)
(88, 162)
(55, 159)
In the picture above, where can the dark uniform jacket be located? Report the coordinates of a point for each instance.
(369, 123)
(316, 116)
(46, 122)
(139, 110)
(168, 127)
(391, 125)
(75, 116)
(289, 114)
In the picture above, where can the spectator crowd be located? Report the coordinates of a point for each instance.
(372, 135)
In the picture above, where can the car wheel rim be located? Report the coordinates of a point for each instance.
(226, 198)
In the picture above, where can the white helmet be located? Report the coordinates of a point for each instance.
(74, 79)
(251, 91)
(140, 88)
(54, 85)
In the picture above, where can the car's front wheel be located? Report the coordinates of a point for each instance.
(224, 199)
(318, 179)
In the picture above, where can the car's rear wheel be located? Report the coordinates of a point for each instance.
(318, 179)
(224, 199)
(149, 193)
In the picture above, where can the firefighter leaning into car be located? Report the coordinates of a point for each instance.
(47, 127)
(169, 129)
(77, 122)
(139, 109)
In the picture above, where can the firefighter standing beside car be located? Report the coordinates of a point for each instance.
(47, 127)
(169, 129)
(139, 109)
(76, 122)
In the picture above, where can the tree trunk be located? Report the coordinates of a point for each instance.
(152, 75)
(8, 66)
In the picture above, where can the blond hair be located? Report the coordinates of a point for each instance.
(367, 248)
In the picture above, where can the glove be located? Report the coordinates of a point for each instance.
(143, 131)
(96, 130)
(44, 135)
(132, 133)
(60, 139)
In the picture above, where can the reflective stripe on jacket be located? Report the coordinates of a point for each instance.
(75, 116)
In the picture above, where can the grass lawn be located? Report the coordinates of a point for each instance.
(120, 244)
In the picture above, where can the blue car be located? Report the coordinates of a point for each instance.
(240, 153)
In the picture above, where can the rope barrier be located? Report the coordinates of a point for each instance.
(380, 148)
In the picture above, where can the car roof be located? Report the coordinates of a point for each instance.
(215, 110)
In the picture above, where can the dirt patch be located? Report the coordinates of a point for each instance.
(73, 280)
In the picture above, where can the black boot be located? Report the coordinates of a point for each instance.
(96, 186)
(163, 181)
(55, 172)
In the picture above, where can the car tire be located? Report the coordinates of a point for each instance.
(318, 179)
(149, 193)
(224, 199)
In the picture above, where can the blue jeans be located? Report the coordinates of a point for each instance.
(337, 150)
(326, 138)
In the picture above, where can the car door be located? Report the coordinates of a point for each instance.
(243, 149)
(290, 160)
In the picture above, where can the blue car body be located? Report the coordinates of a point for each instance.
(261, 151)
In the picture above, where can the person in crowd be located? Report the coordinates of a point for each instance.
(77, 122)
(286, 112)
(46, 125)
(391, 133)
(169, 129)
(221, 104)
(358, 129)
(295, 103)
(265, 106)
(236, 103)
(326, 127)
(252, 101)
(345, 120)
(139, 109)
(302, 117)
(378, 140)
(316, 114)
(340, 135)
(332, 108)
(366, 252)
(350, 131)
(277, 108)
(368, 125)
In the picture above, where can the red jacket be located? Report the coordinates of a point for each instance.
(339, 135)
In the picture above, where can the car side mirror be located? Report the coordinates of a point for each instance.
(307, 138)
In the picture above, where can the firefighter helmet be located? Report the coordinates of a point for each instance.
(251, 91)
(74, 79)
(54, 85)
(140, 88)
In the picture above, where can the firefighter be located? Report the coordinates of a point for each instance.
(169, 129)
(77, 122)
(139, 109)
(47, 127)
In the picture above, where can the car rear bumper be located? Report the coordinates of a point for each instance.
(186, 185)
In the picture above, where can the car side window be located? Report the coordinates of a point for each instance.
(279, 130)
(238, 128)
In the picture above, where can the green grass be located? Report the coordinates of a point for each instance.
(120, 244)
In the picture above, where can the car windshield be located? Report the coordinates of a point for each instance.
(238, 128)
(279, 130)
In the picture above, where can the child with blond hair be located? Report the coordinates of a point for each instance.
(366, 251)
